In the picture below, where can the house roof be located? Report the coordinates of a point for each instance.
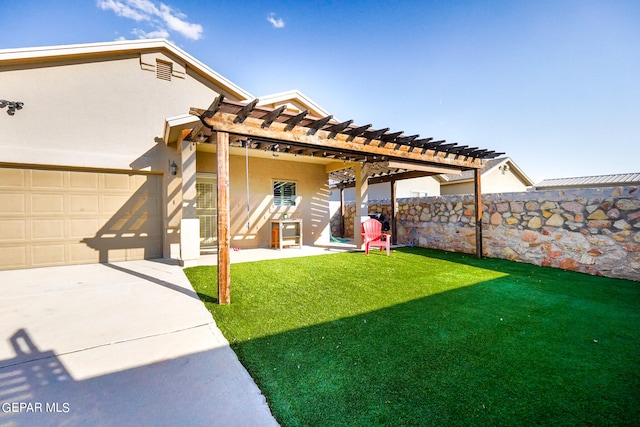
(293, 99)
(493, 164)
(91, 50)
(591, 181)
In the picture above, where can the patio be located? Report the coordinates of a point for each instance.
(261, 254)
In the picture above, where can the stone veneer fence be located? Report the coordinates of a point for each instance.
(591, 230)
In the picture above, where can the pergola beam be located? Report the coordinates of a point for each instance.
(246, 110)
(339, 127)
(319, 123)
(388, 178)
(293, 121)
(353, 132)
(271, 116)
(325, 140)
(405, 140)
(213, 108)
(374, 134)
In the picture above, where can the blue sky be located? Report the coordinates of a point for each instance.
(554, 84)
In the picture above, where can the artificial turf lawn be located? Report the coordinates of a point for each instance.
(425, 337)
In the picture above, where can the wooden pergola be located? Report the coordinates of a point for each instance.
(362, 155)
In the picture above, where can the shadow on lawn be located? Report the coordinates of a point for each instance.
(463, 357)
(515, 350)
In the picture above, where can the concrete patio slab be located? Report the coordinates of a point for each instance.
(117, 344)
(259, 254)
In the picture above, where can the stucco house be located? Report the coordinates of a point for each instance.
(89, 169)
(427, 186)
(500, 175)
(109, 152)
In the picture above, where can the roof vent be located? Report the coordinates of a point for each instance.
(164, 70)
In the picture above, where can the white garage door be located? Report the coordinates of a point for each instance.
(60, 217)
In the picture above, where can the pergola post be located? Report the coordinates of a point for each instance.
(342, 233)
(394, 207)
(478, 209)
(224, 221)
(362, 202)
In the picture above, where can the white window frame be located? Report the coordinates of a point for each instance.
(284, 199)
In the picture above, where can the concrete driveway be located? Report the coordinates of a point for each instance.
(117, 344)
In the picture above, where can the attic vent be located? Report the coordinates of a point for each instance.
(164, 70)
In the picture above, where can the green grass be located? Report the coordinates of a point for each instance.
(427, 337)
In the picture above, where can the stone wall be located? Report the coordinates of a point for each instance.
(594, 231)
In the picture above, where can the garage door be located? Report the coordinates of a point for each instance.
(60, 217)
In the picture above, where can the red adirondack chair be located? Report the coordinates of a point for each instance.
(373, 236)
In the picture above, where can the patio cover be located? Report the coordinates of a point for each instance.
(362, 155)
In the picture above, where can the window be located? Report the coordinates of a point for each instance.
(284, 193)
(205, 195)
(417, 193)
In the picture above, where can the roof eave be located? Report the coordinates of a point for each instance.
(294, 94)
(514, 168)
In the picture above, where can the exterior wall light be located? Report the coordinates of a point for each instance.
(12, 106)
(173, 168)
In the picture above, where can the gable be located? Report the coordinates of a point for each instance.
(147, 49)
(504, 165)
(99, 105)
(295, 101)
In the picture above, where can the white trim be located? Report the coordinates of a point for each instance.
(174, 125)
(294, 95)
(181, 119)
(512, 168)
(206, 175)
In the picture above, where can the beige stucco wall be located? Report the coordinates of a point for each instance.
(404, 188)
(497, 182)
(458, 188)
(312, 198)
(102, 112)
(493, 181)
(105, 114)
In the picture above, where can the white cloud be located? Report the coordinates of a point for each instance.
(276, 22)
(161, 17)
(158, 34)
(175, 22)
(146, 6)
(122, 9)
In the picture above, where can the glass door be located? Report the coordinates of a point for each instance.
(207, 211)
